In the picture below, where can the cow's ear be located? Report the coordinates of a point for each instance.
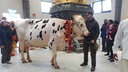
(76, 17)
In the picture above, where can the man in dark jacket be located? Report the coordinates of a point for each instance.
(90, 41)
(5, 42)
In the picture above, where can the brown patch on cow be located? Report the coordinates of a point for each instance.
(46, 21)
(38, 21)
(36, 26)
(30, 33)
(51, 44)
(58, 28)
(54, 31)
(43, 26)
(53, 24)
(45, 32)
(37, 36)
(40, 35)
(53, 40)
(30, 38)
(31, 21)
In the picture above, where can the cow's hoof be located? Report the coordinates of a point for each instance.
(52, 64)
(24, 61)
(57, 67)
(29, 60)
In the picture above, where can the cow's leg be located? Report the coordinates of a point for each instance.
(53, 59)
(55, 62)
(28, 55)
(54, 55)
(52, 62)
(22, 51)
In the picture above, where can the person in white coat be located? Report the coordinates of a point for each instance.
(121, 38)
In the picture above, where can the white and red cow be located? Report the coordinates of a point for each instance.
(46, 32)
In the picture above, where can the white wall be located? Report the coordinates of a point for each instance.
(11, 4)
(35, 7)
(101, 16)
(124, 11)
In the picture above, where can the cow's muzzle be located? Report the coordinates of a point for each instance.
(86, 33)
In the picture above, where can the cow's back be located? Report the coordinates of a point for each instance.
(38, 32)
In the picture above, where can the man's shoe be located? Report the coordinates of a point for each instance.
(106, 54)
(83, 64)
(111, 60)
(4, 63)
(93, 69)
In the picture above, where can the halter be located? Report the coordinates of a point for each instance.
(69, 28)
(80, 28)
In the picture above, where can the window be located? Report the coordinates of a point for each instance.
(11, 15)
(102, 6)
(97, 7)
(45, 6)
(107, 5)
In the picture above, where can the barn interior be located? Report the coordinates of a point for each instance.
(72, 56)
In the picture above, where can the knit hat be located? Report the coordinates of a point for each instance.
(2, 21)
(90, 12)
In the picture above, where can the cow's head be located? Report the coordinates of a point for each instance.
(79, 25)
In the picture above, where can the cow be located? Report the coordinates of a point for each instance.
(47, 32)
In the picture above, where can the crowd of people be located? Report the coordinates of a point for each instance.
(108, 32)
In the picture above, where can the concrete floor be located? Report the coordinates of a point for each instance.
(68, 62)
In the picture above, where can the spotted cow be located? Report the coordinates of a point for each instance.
(46, 32)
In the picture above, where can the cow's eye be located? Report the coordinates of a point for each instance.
(81, 25)
(74, 33)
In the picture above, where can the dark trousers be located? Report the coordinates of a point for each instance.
(6, 52)
(86, 48)
(104, 44)
(109, 48)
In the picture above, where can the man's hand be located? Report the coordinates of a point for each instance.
(92, 41)
(2, 46)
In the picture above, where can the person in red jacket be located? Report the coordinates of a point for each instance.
(111, 32)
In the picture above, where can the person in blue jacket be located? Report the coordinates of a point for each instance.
(103, 35)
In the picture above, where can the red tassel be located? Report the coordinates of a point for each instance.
(68, 34)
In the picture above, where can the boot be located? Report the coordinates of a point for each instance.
(93, 69)
(83, 64)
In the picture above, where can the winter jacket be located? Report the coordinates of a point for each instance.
(93, 27)
(111, 32)
(103, 31)
(5, 35)
(114, 30)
